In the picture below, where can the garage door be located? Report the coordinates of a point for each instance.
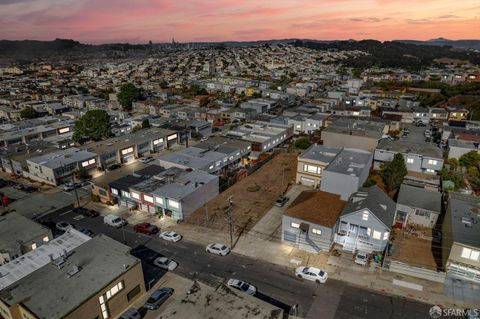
(307, 181)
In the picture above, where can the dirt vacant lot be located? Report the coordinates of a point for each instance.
(413, 250)
(252, 197)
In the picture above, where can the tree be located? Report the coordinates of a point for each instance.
(128, 94)
(136, 128)
(393, 172)
(145, 123)
(81, 174)
(302, 143)
(94, 125)
(28, 113)
(471, 158)
(163, 84)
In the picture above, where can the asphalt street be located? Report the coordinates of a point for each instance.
(275, 284)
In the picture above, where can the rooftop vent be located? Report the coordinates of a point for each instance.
(74, 270)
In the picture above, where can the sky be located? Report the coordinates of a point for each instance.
(138, 21)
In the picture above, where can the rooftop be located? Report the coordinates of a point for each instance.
(375, 200)
(465, 214)
(320, 153)
(121, 142)
(63, 157)
(53, 292)
(136, 167)
(349, 126)
(414, 143)
(33, 260)
(318, 207)
(16, 230)
(420, 197)
(350, 161)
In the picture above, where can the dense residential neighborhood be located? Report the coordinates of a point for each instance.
(231, 177)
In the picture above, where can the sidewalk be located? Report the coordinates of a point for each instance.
(276, 252)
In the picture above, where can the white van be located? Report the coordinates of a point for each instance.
(114, 221)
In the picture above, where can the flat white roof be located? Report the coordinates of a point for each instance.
(24, 265)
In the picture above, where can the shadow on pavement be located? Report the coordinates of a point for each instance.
(151, 273)
(286, 308)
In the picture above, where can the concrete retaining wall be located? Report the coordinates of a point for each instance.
(419, 272)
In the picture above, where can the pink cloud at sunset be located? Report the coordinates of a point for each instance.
(138, 21)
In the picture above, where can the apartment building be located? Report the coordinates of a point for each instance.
(19, 235)
(73, 276)
(55, 167)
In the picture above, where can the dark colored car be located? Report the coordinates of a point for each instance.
(85, 212)
(158, 297)
(87, 232)
(281, 200)
(145, 228)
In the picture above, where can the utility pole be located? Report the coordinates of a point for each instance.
(75, 189)
(229, 215)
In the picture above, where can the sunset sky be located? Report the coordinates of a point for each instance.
(138, 21)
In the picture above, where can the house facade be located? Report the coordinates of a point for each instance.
(309, 222)
(365, 222)
(417, 206)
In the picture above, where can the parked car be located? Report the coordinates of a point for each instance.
(158, 297)
(218, 249)
(145, 228)
(114, 221)
(146, 160)
(85, 212)
(87, 232)
(361, 258)
(165, 263)
(242, 286)
(63, 226)
(170, 236)
(114, 167)
(68, 187)
(312, 273)
(281, 201)
(131, 313)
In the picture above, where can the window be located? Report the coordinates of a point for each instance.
(409, 160)
(160, 140)
(173, 203)
(210, 167)
(135, 195)
(89, 162)
(432, 162)
(46, 239)
(148, 198)
(295, 225)
(470, 254)
(34, 246)
(316, 231)
(429, 170)
(377, 234)
(172, 137)
(420, 212)
(159, 200)
(114, 191)
(127, 150)
(64, 130)
(365, 216)
(125, 194)
(312, 169)
(385, 235)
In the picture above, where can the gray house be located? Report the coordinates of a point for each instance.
(418, 206)
(309, 222)
(347, 172)
(366, 221)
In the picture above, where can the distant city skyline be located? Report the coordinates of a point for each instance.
(138, 21)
